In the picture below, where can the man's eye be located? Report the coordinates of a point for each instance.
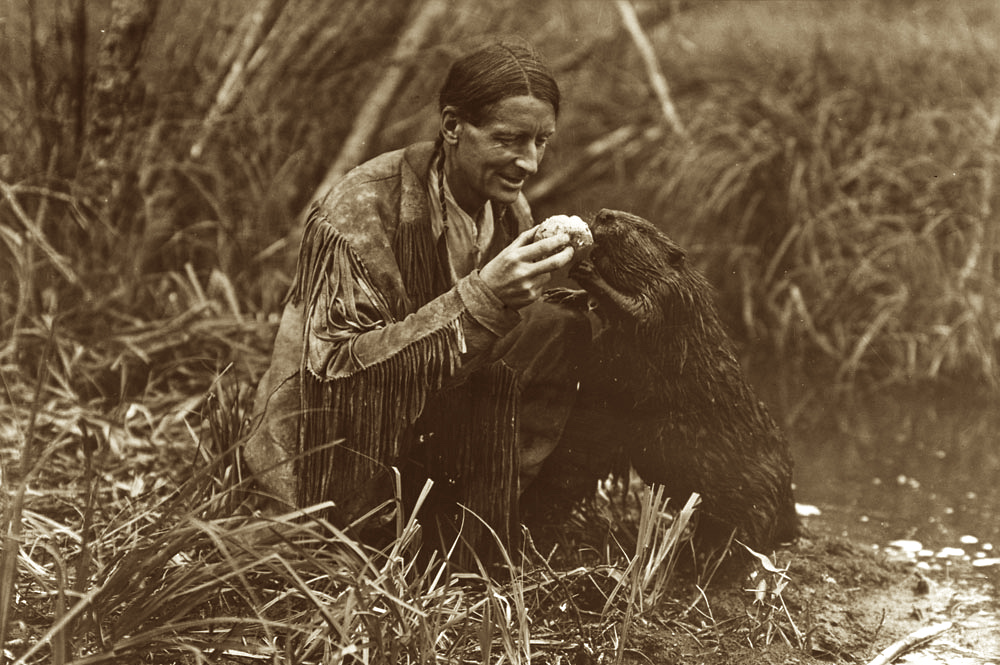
(542, 141)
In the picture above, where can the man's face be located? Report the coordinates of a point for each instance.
(492, 161)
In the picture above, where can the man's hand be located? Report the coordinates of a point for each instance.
(518, 274)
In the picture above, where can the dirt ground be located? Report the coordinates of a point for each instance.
(845, 604)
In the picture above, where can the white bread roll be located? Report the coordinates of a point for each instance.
(577, 230)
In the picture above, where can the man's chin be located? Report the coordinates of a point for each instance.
(506, 196)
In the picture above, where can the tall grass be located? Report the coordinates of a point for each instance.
(194, 573)
(838, 192)
(839, 184)
(872, 249)
(145, 545)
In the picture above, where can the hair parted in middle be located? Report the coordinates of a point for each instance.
(487, 76)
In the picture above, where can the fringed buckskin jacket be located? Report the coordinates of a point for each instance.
(381, 360)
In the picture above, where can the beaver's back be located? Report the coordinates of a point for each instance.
(669, 376)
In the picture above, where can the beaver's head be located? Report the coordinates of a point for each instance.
(637, 271)
(630, 253)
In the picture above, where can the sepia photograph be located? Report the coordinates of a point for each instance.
(563, 332)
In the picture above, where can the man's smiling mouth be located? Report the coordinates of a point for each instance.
(512, 182)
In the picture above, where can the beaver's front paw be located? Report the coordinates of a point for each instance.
(582, 271)
(575, 298)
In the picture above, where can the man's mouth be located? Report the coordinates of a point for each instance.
(514, 183)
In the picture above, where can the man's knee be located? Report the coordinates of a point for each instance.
(551, 344)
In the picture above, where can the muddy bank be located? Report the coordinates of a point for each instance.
(841, 602)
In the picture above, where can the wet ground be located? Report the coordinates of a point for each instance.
(843, 604)
(913, 476)
(900, 493)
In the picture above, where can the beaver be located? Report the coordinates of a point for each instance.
(667, 395)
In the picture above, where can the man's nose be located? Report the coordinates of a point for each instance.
(528, 159)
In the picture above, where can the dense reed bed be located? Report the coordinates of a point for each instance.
(835, 174)
(838, 182)
(122, 562)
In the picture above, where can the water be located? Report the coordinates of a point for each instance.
(896, 465)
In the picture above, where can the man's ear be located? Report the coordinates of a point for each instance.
(451, 125)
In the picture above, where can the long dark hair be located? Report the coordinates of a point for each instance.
(484, 78)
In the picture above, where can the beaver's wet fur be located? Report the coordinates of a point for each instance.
(668, 390)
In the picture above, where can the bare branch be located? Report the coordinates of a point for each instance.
(914, 639)
(656, 78)
(621, 142)
(57, 260)
(369, 117)
(236, 57)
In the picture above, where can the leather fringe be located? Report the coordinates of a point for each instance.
(326, 260)
(353, 428)
(423, 266)
(467, 444)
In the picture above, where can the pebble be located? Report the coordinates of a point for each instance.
(907, 545)
(986, 562)
(806, 510)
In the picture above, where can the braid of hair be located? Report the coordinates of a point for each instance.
(441, 196)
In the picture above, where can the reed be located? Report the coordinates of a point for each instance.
(838, 194)
(194, 573)
(151, 549)
(843, 200)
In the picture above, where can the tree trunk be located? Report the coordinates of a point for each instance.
(115, 97)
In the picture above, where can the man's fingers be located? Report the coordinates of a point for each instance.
(518, 274)
(554, 261)
(544, 248)
(525, 238)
